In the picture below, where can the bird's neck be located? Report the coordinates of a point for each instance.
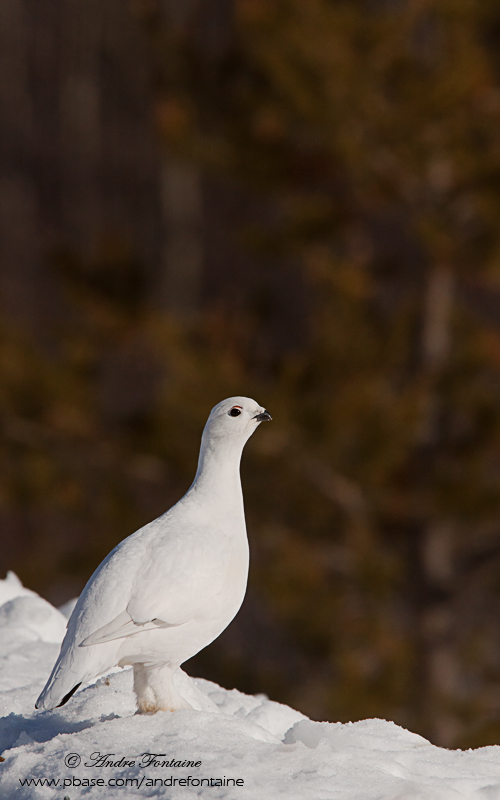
(217, 484)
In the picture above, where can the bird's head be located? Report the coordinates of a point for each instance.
(235, 419)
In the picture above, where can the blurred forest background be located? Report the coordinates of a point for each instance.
(297, 201)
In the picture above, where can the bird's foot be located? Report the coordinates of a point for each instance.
(151, 708)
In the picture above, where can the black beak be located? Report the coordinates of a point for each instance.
(264, 416)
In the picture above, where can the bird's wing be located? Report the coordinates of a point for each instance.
(172, 585)
(119, 628)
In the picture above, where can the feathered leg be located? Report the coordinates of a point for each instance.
(154, 689)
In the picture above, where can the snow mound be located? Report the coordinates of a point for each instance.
(12, 587)
(32, 618)
(67, 608)
(234, 746)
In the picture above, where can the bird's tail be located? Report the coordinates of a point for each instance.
(63, 682)
(75, 666)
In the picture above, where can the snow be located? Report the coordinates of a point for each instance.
(249, 747)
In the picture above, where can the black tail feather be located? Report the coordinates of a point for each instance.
(67, 696)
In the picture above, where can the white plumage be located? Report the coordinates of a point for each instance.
(170, 588)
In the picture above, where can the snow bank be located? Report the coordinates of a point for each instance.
(245, 747)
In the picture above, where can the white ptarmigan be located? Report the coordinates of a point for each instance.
(170, 588)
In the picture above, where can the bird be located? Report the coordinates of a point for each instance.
(169, 589)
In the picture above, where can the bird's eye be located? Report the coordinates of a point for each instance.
(235, 412)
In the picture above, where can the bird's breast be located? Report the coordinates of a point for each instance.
(236, 576)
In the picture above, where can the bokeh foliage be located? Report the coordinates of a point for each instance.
(372, 131)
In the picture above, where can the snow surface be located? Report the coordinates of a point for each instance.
(273, 751)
